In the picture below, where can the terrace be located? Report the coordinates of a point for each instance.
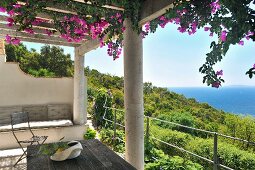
(49, 99)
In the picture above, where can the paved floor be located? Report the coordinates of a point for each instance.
(9, 157)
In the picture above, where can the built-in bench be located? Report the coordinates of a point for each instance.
(52, 120)
(40, 116)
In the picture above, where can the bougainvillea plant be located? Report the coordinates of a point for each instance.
(231, 21)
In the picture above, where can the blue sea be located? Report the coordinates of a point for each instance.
(234, 99)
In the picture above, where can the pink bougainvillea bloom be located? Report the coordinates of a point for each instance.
(211, 34)
(16, 41)
(250, 33)
(2, 9)
(215, 6)
(253, 65)
(216, 84)
(219, 73)
(207, 28)
(118, 15)
(11, 12)
(241, 42)
(8, 39)
(182, 29)
(223, 36)
(48, 32)
(29, 31)
(123, 29)
(17, 6)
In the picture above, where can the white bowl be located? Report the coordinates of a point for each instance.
(72, 152)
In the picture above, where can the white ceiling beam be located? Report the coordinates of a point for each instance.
(152, 9)
(41, 25)
(38, 36)
(89, 45)
(36, 40)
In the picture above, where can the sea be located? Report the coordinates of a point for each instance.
(233, 99)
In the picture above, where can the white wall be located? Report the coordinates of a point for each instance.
(18, 88)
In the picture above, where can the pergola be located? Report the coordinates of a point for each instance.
(133, 68)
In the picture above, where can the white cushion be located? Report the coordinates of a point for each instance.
(41, 124)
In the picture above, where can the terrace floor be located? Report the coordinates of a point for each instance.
(9, 157)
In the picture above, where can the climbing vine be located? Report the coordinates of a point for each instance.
(231, 21)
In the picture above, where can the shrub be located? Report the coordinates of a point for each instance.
(90, 134)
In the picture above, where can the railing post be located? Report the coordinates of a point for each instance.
(215, 152)
(147, 129)
(115, 125)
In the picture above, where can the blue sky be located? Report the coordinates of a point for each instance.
(172, 59)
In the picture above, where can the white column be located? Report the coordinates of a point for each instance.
(79, 107)
(133, 96)
(2, 51)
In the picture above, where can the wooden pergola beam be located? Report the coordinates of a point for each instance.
(152, 9)
(45, 25)
(39, 36)
(42, 41)
(88, 46)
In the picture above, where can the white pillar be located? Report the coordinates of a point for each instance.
(133, 96)
(79, 106)
(2, 51)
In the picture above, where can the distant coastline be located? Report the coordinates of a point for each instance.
(234, 99)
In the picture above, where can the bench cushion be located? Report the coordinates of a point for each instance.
(41, 124)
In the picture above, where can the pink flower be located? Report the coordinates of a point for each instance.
(17, 6)
(215, 6)
(207, 28)
(250, 33)
(29, 31)
(123, 29)
(10, 20)
(216, 84)
(48, 32)
(241, 42)
(219, 73)
(223, 36)
(16, 41)
(254, 66)
(211, 34)
(147, 27)
(78, 31)
(2, 9)
(11, 12)
(8, 39)
(181, 29)
(118, 15)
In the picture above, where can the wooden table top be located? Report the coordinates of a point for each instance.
(94, 156)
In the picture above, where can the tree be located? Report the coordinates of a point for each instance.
(51, 62)
(54, 60)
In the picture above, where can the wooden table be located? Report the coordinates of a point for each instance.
(94, 156)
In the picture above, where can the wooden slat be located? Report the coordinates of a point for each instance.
(26, 35)
(36, 40)
(44, 25)
(14, 28)
(152, 9)
(104, 152)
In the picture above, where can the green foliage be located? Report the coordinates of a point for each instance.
(90, 134)
(50, 62)
(102, 100)
(51, 148)
(107, 137)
